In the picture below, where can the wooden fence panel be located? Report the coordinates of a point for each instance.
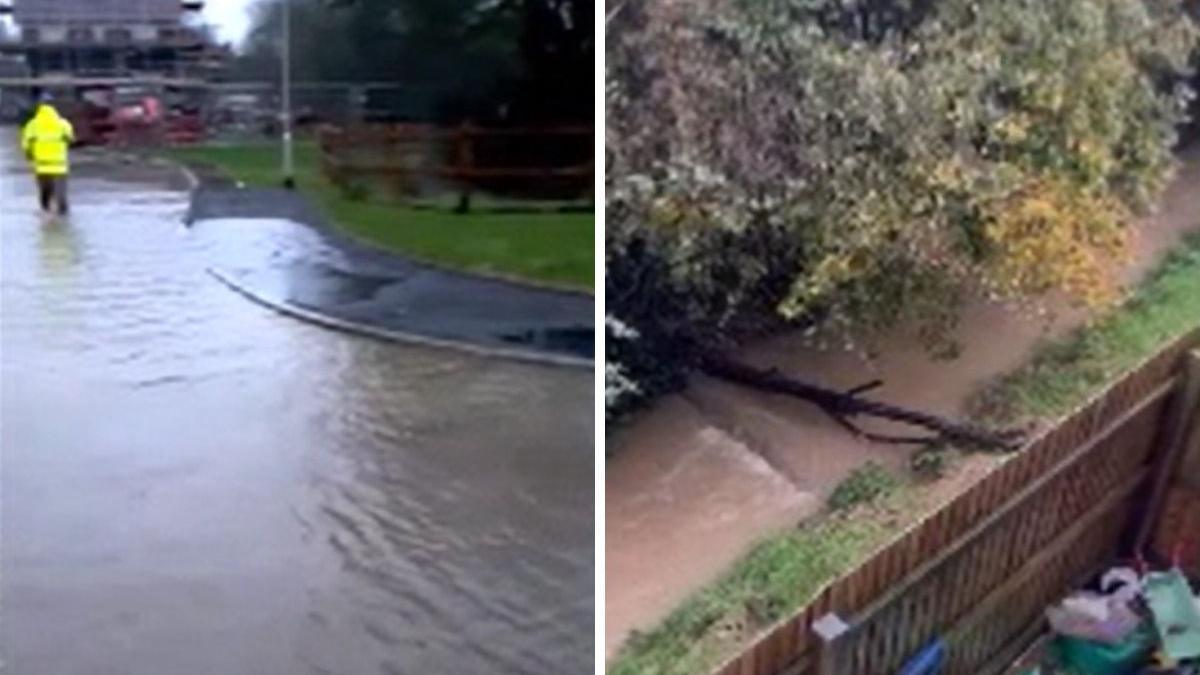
(1189, 470)
(528, 161)
(982, 568)
(959, 577)
(1178, 534)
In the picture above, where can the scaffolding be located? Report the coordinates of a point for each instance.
(33, 14)
(112, 38)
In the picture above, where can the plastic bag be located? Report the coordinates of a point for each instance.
(1093, 616)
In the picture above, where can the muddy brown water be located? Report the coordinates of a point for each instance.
(696, 481)
(194, 485)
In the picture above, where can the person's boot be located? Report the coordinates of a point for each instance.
(60, 197)
(45, 197)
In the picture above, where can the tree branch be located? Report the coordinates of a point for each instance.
(843, 406)
(864, 388)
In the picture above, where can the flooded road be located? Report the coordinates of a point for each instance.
(192, 484)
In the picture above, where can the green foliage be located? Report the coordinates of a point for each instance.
(797, 159)
(930, 462)
(864, 485)
(455, 58)
(355, 191)
(1064, 373)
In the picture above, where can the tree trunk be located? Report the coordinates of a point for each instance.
(843, 406)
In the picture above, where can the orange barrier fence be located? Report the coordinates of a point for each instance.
(525, 163)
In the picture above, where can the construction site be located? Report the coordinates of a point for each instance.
(150, 72)
(122, 70)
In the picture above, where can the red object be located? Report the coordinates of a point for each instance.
(1178, 533)
(152, 109)
(98, 121)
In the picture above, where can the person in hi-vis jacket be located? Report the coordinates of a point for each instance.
(47, 139)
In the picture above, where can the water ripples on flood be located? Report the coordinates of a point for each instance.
(193, 484)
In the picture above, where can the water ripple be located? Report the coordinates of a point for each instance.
(310, 502)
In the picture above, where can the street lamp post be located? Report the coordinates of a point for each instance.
(289, 169)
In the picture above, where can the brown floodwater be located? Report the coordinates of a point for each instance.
(191, 484)
(705, 474)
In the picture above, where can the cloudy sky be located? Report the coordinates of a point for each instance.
(231, 17)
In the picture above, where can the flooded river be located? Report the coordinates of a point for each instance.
(194, 485)
(705, 474)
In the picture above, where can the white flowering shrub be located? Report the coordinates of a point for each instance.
(620, 392)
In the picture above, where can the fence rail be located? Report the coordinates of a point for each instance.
(531, 163)
(979, 572)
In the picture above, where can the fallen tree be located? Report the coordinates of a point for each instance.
(844, 406)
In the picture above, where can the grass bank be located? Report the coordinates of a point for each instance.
(1064, 373)
(544, 247)
(777, 577)
(786, 571)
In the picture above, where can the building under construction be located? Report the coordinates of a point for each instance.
(124, 69)
(148, 71)
(111, 38)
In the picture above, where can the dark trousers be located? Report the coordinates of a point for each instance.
(52, 190)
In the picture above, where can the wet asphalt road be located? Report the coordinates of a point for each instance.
(315, 269)
(191, 484)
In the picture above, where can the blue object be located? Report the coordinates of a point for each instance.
(928, 661)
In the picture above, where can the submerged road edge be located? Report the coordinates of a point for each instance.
(396, 336)
(194, 183)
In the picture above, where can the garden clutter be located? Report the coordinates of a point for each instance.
(1105, 617)
(1175, 615)
(1132, 624)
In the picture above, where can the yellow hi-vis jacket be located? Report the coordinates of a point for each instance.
(46, 139)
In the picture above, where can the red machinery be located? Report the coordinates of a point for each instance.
(132, 116)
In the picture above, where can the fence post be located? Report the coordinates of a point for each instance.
(328, 139)
(832, 635)
(323, 149)
(1176, 433)
(465, 160)
(1189, 470)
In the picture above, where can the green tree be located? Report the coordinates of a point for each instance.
(856, 164)
(518, 60)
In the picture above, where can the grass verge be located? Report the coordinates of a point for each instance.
(866, 484)
(783, 573)
(1063, 374)
(546, 247)
(777, 577)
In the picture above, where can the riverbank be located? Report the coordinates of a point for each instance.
(548, 248)
(785, 571)
(706, 475)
